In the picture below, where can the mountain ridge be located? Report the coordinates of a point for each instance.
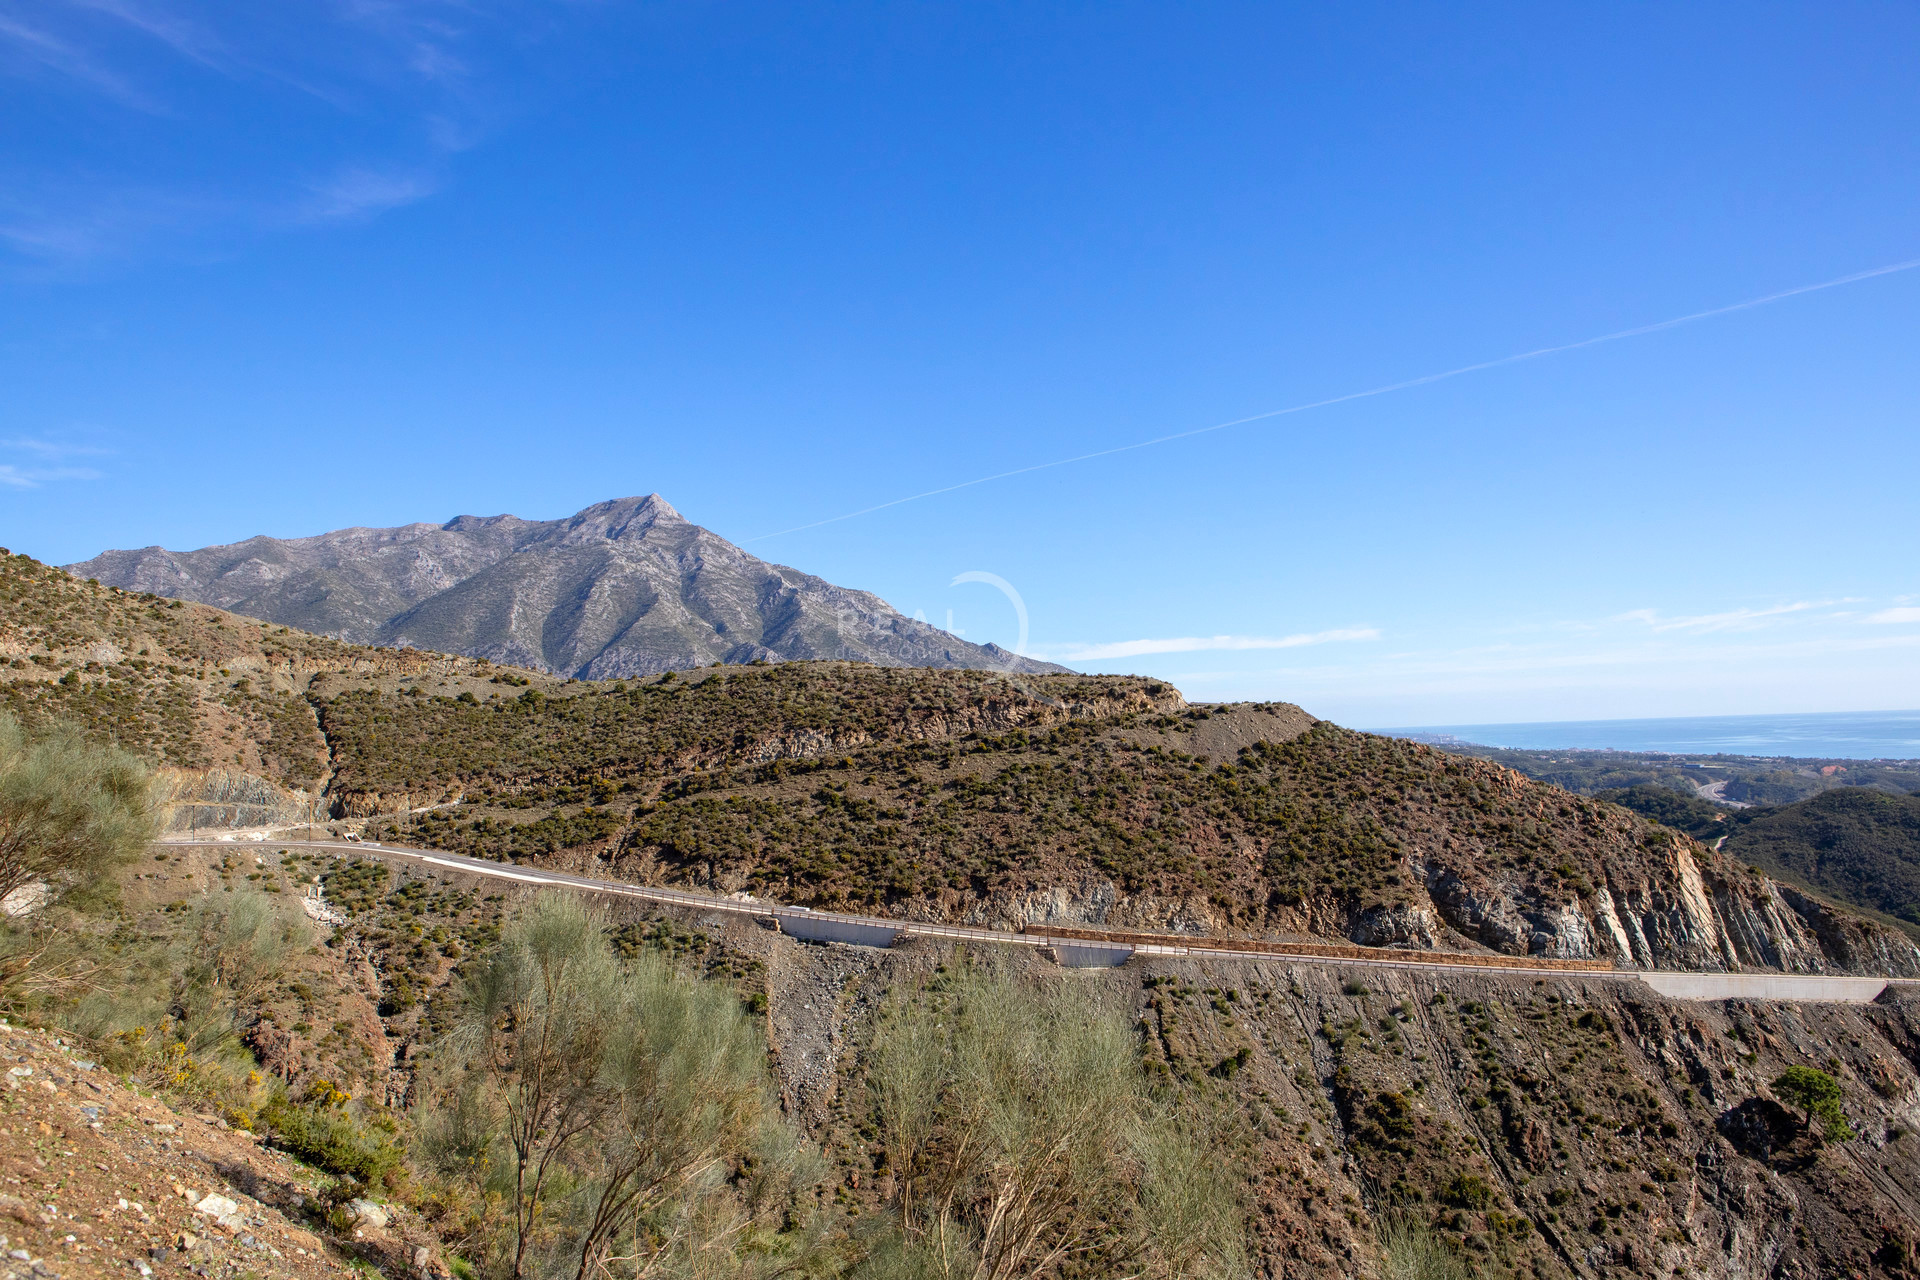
(626, 587)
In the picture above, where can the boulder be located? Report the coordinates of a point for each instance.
(217, 1206)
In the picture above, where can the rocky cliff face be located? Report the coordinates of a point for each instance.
(621, 589)
(1618, 887)
(1553, 1128)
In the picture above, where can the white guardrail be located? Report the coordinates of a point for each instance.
(1082, 953)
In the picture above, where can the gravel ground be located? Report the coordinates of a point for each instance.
(98, 1178)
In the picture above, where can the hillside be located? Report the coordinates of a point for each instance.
(955, 795)
(1858, 845)
(1538, 1129)
(623, 588)
(1550, 1128)
(1701, 819)
(937, 800)
(219, 699)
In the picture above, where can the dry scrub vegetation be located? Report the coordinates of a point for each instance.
(942, 794)
(594, 1101)
(514, 1076)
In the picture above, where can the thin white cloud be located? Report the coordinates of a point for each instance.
(51, 53)
(67, 222)
(50, 455)
(78, 227)
(1732, 618)
(1492, 667)
(363, 193)
(33, 477)
(413, 66)
(435, 62)
(1198, 644)
(1804, 654)
(55, 449)
(185, 38)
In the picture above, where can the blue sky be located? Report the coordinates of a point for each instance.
(286, 268)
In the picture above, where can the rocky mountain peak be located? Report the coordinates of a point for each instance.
(624, 517)
(625, 587)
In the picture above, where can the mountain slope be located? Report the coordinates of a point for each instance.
(949, 796)
(1550, 1127)
(1860, 844)
(1700, 819)
(959, 795)
(624, 588)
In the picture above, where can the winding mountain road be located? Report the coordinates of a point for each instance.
(1079, 947)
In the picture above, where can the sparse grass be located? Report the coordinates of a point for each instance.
(1414, 1252)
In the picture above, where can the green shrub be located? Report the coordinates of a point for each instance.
(71, 810)
(324, 1134)
(1020, 1127)
(614, 1104)
(1468, 1191)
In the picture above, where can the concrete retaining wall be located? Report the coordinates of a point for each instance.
(1323, 951)
(1075, 956)
(1765, 986)
(816, 928)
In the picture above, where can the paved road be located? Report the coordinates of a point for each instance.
(1082, 952)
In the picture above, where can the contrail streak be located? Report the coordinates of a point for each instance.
(1422, 381)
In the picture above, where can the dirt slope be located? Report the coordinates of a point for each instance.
(98, 1178)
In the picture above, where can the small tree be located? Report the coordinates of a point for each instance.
(232, 953)
(1814, 1093)
(622, 1111)
(1025, 1143)
(685, 1087)
(69, 810)
(540, 1014)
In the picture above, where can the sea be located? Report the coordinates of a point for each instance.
(1836, 735)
